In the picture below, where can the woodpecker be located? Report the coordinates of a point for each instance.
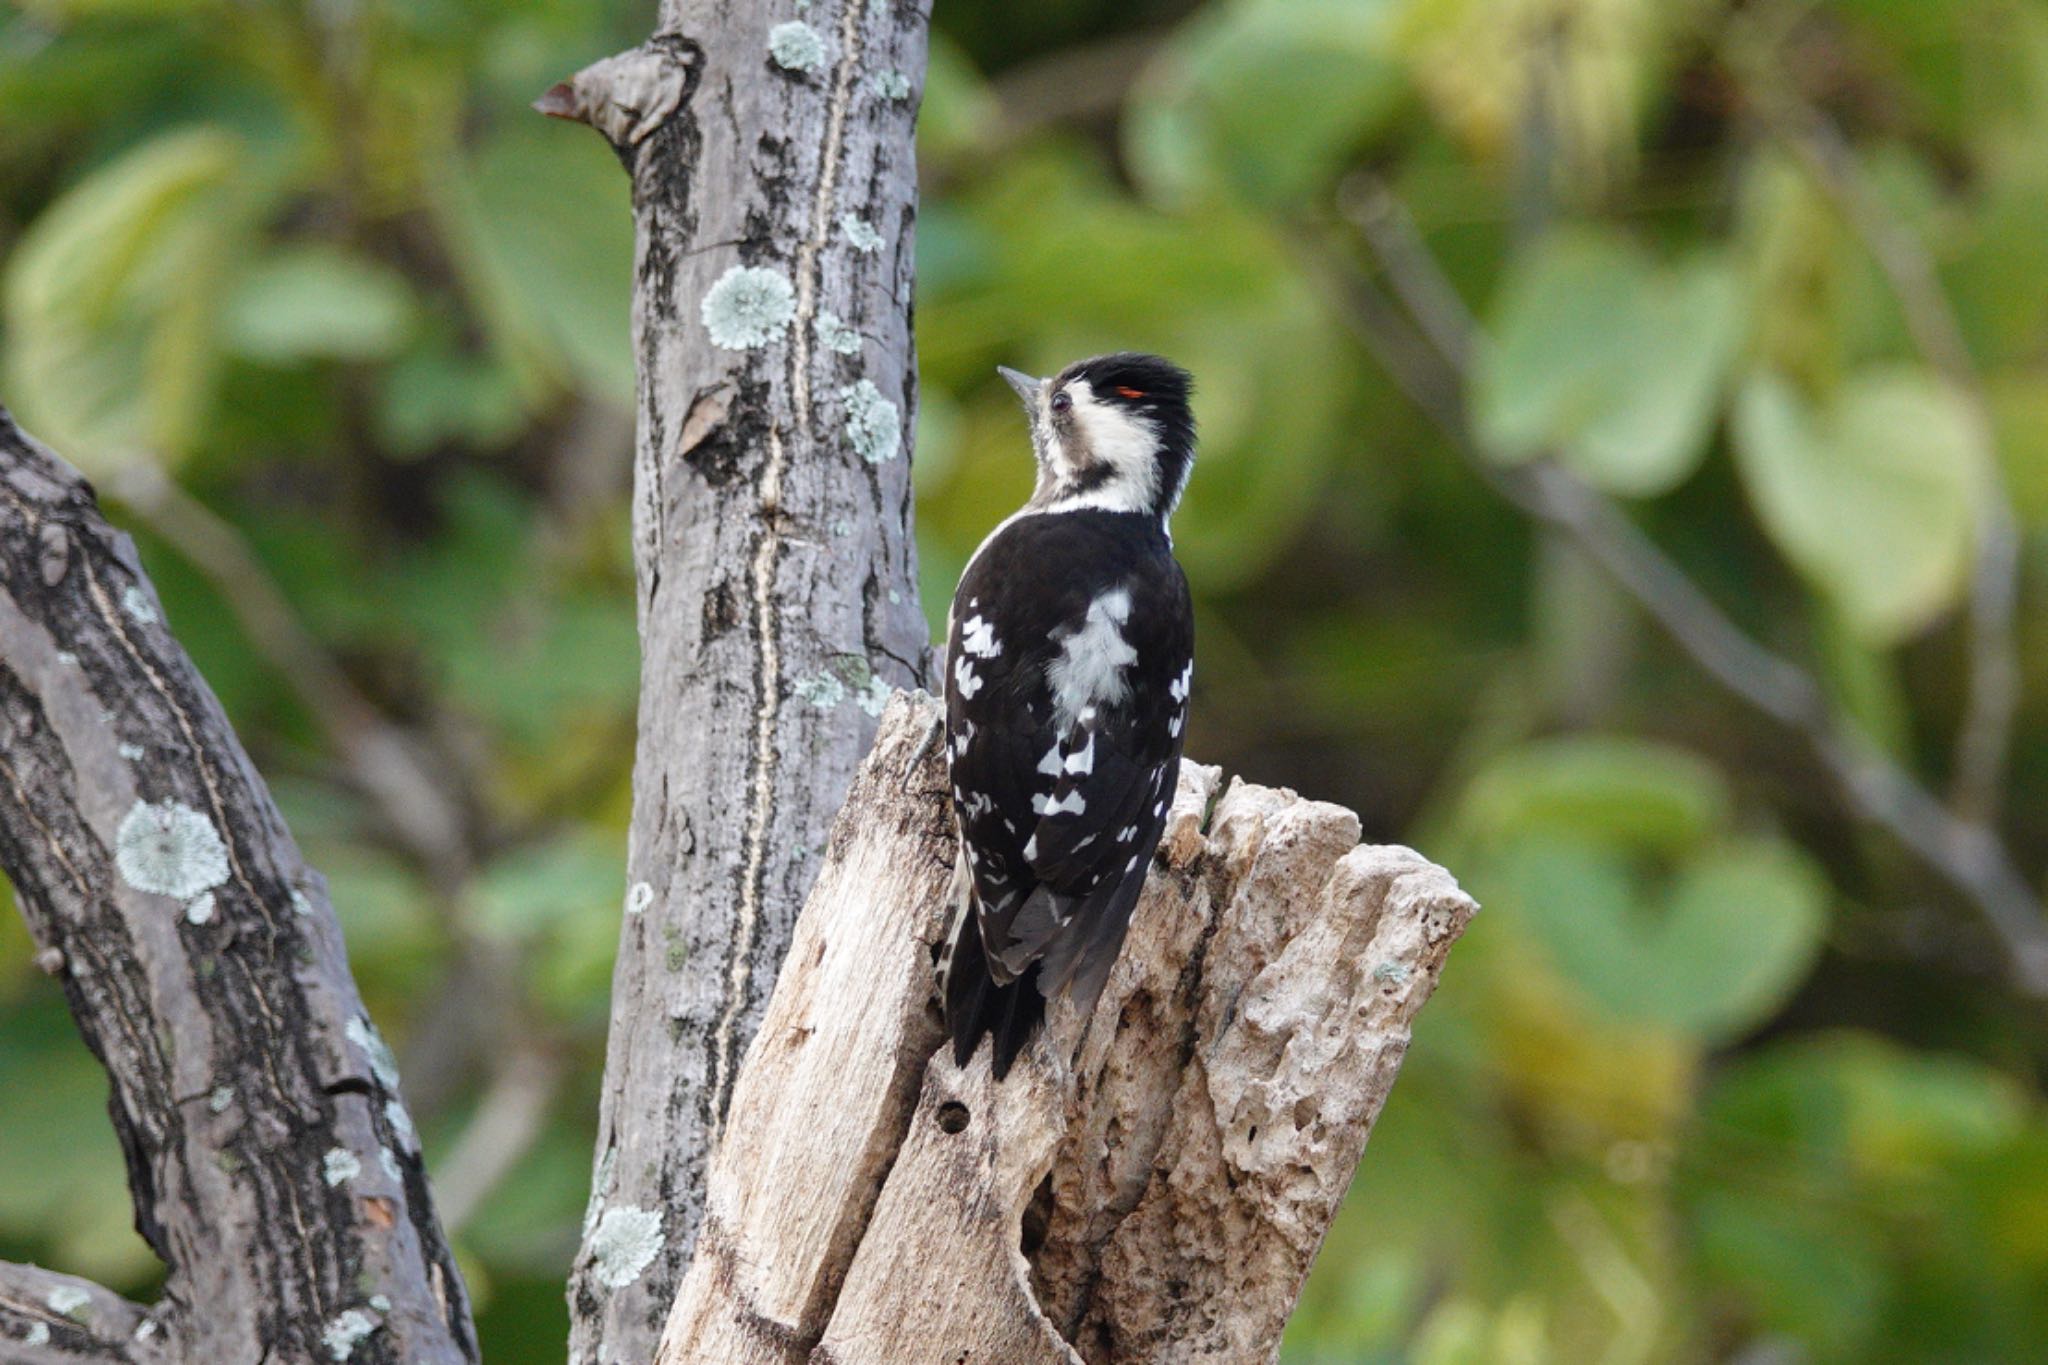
(1069, 655)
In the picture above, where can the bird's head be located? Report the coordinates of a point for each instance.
(1113, 433)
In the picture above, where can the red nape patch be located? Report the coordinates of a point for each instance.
(1130, 393)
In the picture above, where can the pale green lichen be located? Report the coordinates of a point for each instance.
(220, 1099)
(835, 335)
(388, 1159)
(169, 850)
(346, 1331)
(69, 1300)
(860, 233)
(625, 1243)
(1395, 973)
(130, 752)
(639, 898)
(136, 603)
(340, 1165)
(891, 84)
(749, 306)
(873, 697)
(874, 425)
(38, 1335)
(400, 1121)
(199, 910)
(849, 677)
(383, 1065)
(823, 691)
(300, 905)
(796, 46)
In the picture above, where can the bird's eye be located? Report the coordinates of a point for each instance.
(1062, 401)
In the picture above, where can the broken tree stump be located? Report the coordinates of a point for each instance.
(1151, 1183)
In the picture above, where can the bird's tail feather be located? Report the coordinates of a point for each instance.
(977, 1004)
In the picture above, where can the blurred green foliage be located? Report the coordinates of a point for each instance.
(1719, 1074)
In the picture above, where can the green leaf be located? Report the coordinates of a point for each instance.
(1709, 955)
(1871, 497)
(434, 393)
(1606, 359)
(111, 299)
(551, 220)
(318, 303)
(1611, 790)
(1263, 98)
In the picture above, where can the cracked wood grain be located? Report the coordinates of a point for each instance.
(205, 969)
(1151, 1183)
(774, 193)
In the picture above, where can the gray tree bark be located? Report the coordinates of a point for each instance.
(775, 191)
(1151, 1183)
(272, 1162)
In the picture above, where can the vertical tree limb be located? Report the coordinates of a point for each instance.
(774, 190)
(273, 1165)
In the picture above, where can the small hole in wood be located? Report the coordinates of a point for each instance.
(953, 1117)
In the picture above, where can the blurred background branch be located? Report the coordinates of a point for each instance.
(1964, 850)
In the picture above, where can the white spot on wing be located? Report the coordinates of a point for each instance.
(978, 637)
(1073, 803)
(965, 678)
(1092, 658)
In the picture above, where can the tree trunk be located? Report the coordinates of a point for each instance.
(273, 1165)
(1168, 1165)
(775, 191)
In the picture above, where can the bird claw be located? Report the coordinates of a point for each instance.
(924, 748)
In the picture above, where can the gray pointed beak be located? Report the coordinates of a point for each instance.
(1024, 384)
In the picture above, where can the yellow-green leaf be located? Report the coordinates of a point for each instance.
(111, 300)
(1873, 495)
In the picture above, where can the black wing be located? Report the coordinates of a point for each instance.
(1059, 806)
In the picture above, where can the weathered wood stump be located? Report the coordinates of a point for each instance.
(1151, 1183)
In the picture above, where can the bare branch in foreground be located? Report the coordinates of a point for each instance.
(273, 1165)
(1169, 1163)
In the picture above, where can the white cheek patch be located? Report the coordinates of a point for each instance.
(1105, 435)
(1125, 442)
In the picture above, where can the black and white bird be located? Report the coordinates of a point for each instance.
(1068, 661)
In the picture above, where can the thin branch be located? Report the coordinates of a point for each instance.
(506, 1124)
(1966, 853)
(46, 1316)
(1984, 739)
